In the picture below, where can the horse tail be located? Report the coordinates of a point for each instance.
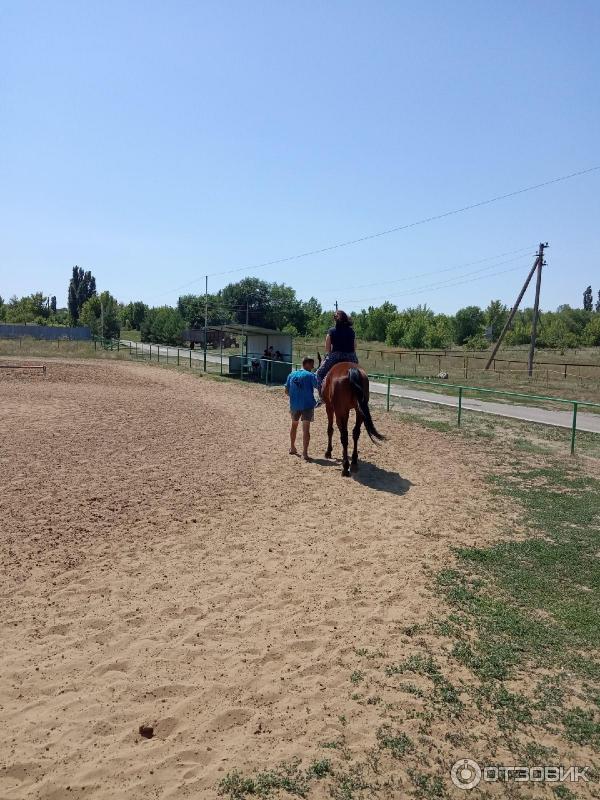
(355, 379)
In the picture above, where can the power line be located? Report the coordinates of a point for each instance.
(449, 283)
(442, 283)
(435, 287)
(241, 306)
(217, 304)
(396, 229)
(436, 271)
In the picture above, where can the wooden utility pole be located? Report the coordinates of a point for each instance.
(536, 307)
(513, 311)
(205, 319)
(336, 305)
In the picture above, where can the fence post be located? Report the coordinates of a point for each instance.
(389, 381)
(95, 343)
(574, 428)
(177, 356)
(460, 391)
(157, 352)
(150, 352)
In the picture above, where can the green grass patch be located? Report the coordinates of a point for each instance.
(288, 777)
(396, 742)
(533, 602)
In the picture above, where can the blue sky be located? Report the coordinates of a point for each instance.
(156, 142)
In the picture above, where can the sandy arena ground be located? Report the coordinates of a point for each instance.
(166, 562)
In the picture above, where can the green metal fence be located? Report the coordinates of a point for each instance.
(462, 390)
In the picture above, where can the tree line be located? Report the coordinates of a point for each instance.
(275, 305)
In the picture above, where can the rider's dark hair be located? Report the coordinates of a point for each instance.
(307, 359)
(342, 319)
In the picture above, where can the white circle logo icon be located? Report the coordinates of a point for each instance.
(466, 773)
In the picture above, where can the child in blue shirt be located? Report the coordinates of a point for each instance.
(299, 387)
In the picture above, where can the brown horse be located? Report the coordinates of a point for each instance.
(346, 387)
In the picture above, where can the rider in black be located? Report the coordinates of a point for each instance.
(339, 345)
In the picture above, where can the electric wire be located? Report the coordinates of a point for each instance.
(388, 231)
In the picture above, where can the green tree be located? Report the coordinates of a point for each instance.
(591, 335)
(312, 309)
(53, 305)
(440, 332)
(272, 305)
(588, 299)
(556, 332)
(416, 333)
(249, 295)
(192, 308)
(372, 324)
(101, 314)
(31, 308)
(477, 342)
(2, 309)
(396, 330)
(318, 326)
(469, 321)
(163, 325)
(82, 287)
(284, 308)
(496, 315)
(132, 315)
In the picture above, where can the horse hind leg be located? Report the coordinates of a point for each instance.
(355, 437)
(329, 432)
(343, 426)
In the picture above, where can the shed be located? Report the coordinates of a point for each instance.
(254, 341)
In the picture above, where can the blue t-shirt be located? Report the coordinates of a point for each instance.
(300, 385)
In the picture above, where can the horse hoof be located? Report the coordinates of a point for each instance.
(346, 471)
(328, 454)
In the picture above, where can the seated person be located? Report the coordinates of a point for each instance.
(339, 345)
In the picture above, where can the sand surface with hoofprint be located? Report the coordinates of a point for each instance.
(166, 565)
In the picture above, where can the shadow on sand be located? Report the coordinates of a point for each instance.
(382, 480)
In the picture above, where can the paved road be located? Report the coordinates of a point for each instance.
(560, 419)
(197, 355)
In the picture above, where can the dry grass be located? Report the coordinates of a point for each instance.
(581, 383)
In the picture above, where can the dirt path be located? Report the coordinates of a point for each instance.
(166, 562)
